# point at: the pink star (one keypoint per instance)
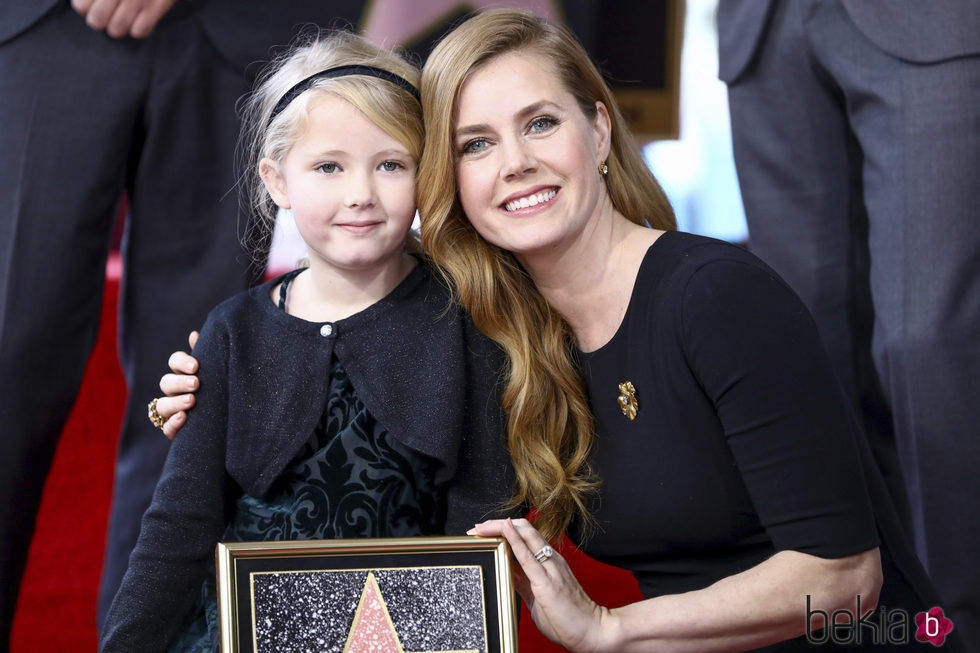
(372, 630)
(393, 23)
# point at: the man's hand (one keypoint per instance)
(119, 18)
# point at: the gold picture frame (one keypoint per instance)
(421, 595)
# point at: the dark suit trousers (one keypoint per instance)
(859, 174)
(83, 118)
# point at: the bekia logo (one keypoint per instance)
(877, 627)
(933, 626)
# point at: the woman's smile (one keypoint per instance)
(524, 202)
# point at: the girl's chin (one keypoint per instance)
(362, 262)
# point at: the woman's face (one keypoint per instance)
(527, 156)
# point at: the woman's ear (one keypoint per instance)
(603, 130)
(274, 182)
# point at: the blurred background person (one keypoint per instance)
(856, 130)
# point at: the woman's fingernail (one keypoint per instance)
(472, 531)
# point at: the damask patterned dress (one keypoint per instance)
(352, 479)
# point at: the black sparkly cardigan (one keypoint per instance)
(418, 364)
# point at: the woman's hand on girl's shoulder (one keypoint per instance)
(178, 387)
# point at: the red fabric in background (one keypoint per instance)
(56, 610)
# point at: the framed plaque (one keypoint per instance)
(408, 595)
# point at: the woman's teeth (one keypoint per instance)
(530, 200)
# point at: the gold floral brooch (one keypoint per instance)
(627, 400)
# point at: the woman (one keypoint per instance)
(721, 466)
(724, 471)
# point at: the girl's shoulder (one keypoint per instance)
(258, 295)
(250, 306)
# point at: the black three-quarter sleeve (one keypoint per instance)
(755, 351)
(184, 521)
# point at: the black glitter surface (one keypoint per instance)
(432, 608)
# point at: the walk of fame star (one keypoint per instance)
(372, 630)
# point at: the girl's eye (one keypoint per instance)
(474, 146)
(391, 166)
(328, 168)
(542, 123)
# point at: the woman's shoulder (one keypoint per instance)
(696, 250)
(686, 276)
(679, 259)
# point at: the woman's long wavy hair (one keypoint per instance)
(550, 428)
(390, 107)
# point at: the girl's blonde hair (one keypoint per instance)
(549, 420)
(389, 106)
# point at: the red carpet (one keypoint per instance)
(56, 611)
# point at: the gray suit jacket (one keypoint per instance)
(907, 29)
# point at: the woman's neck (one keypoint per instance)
(590, 283)
(326, 294)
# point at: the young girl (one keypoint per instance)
(344, 399)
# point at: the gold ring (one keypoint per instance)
(155, 417)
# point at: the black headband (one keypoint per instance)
(341, 71)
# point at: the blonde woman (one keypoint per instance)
(709, 449)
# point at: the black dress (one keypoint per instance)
(742, 443)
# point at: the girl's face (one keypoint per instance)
(350, 186)
(527, 156)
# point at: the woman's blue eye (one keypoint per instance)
(391, 166)
(543, 123)
(328, 168)
(474, 146)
